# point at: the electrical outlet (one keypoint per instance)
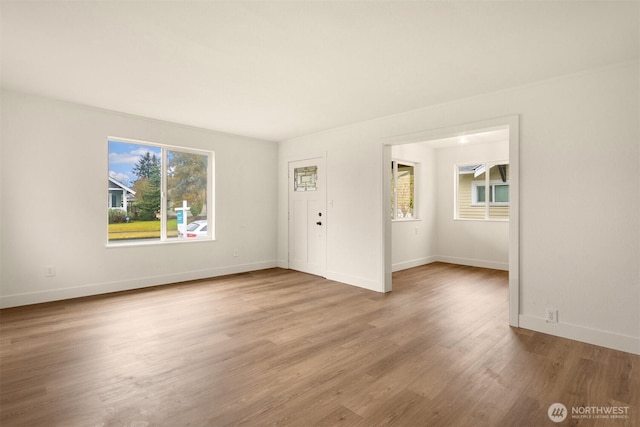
(236, 252)
(551, 315)
(49, 271)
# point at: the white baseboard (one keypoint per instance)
(413, 263)
(450, 260)
(606, 339)
(473, 262)
(125, 285)
(360, 282)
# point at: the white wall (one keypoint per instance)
(54, 170)
(414, 241)
(476, 243)
(579, 198)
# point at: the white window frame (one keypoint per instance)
(163, 193)
(394, 189)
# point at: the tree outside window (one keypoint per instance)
(136, 172)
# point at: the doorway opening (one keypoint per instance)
(465, 208)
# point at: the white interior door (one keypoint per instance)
(308, 216)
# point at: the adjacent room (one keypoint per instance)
(438, 195)
(319, 213)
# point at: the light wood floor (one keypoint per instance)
(278, 347)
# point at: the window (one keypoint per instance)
(402, 190)
(305, 178)
(157, 191)
(475, 186)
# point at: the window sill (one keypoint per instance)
(138, 243)
(406, 220)
(483, 219)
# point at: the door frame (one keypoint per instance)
(297, 158)
(513, 124)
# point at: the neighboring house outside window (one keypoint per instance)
(474, 186)
(120, 196)
(403, 192)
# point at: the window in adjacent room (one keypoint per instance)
(403, 190)
(478, 183)
(158, 193)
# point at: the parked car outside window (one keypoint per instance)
(195, 229)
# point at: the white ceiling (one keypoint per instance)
(277, 70)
